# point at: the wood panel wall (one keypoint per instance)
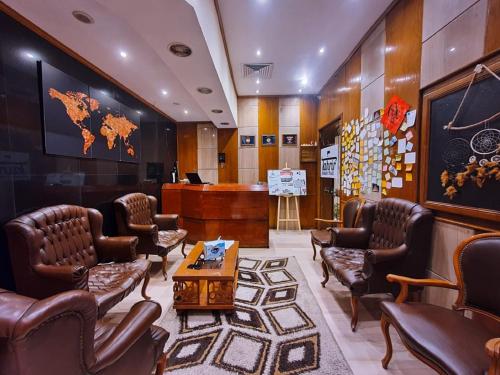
(227, 142)
(269, 155)
(492, 38)
(403, 28)
(308, 134)
(187, 147)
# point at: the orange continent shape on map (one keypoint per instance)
(77, 107)
(113, 126)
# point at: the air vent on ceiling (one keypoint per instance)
(260, 70)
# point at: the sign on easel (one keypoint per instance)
(287, 182)
(329, 162)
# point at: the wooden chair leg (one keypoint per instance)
(326, 274)
(314, 249)
(144, 286)
(161, 364)
(164, 267)
(355, 312)
(182, 249)
(384, 323)
(147, 256)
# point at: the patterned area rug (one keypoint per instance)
(277, 328)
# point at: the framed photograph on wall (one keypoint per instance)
(460, 145)
(247, 140)
(289, 139)
(269, 140)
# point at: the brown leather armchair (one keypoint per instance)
(350, 219)
(61, 248)
(158, 234)
(444, 339)
(394, 237)
(60, 335)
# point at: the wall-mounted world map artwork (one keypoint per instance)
(85, 122)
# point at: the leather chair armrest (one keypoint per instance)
(135, 324)
(356, 238)
(376, 256)
(141, 230)
(117, 249)
(406, 281)
(166, 222)
(493, 350)
(71, 277)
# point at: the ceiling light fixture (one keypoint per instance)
(123, 54)
(300, 90)
(217, 111)
(224, 123)
(204, 90)
(304, 81)
(30, 55)
(139, 112)
(258, 52)
(321, 50)
(258, 81)
(257, 91)
(164, 92)
(452, 49)
(82, 17)
(186, 111)
(180, 49)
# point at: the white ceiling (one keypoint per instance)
(143, 29)
(289, 34)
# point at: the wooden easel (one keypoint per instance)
(287, 218)
(287, 211)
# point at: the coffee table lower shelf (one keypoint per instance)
(205, 294)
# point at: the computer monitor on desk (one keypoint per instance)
(194, 178)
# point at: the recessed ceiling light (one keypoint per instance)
(164, 92)
(224, 123)
(257, 91)
(82, 17)
(139, 112)
(30, 55)
(104, 92)
(123, 54)
(258, 81)
(217, 110)
(204, 90)
(304, 81)
(321, 50)
(300, 90)
(180, 49)
(452, 49)
(186, 111)
(258, 52)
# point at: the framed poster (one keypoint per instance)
(247, 140)
(461, 148)
(269, 140)
(289, 139)
(287, 182)
(329, 162)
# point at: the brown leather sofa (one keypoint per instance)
(444, 339)
(158, 234)
(61, 248)
(393, 238)
(60, 335)
(350, 219)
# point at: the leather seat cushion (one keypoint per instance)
(347, 265)
(448, 339)
(112, 282)
(170, 239)
(321, 237)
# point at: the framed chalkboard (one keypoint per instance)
(460, 152)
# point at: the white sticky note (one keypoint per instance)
(401, 145)
(409, 146)
(409, 135)
(388, 160)
(410, 158)
(410, 118)
(397, 182)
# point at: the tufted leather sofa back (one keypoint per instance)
(350, 212)
(134, 208)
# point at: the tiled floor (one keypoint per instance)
(363, 349)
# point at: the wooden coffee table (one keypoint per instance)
(210, 288)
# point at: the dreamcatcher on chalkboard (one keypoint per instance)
(475, 160)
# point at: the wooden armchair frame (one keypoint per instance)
(492, 347)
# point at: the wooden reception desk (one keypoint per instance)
(234, 211)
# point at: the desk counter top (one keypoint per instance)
(217, 187)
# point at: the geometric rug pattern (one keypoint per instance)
(277, 328)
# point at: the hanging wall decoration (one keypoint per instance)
(461, 139)
(394, 114)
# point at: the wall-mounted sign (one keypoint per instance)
(247, 140)
(268, 140)
(330, 162)
(289, 139)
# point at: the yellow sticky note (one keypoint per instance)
(409, 167)
(384, 183)
(398, 157)
(384, 191)
(399, 166)
(409, 177)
